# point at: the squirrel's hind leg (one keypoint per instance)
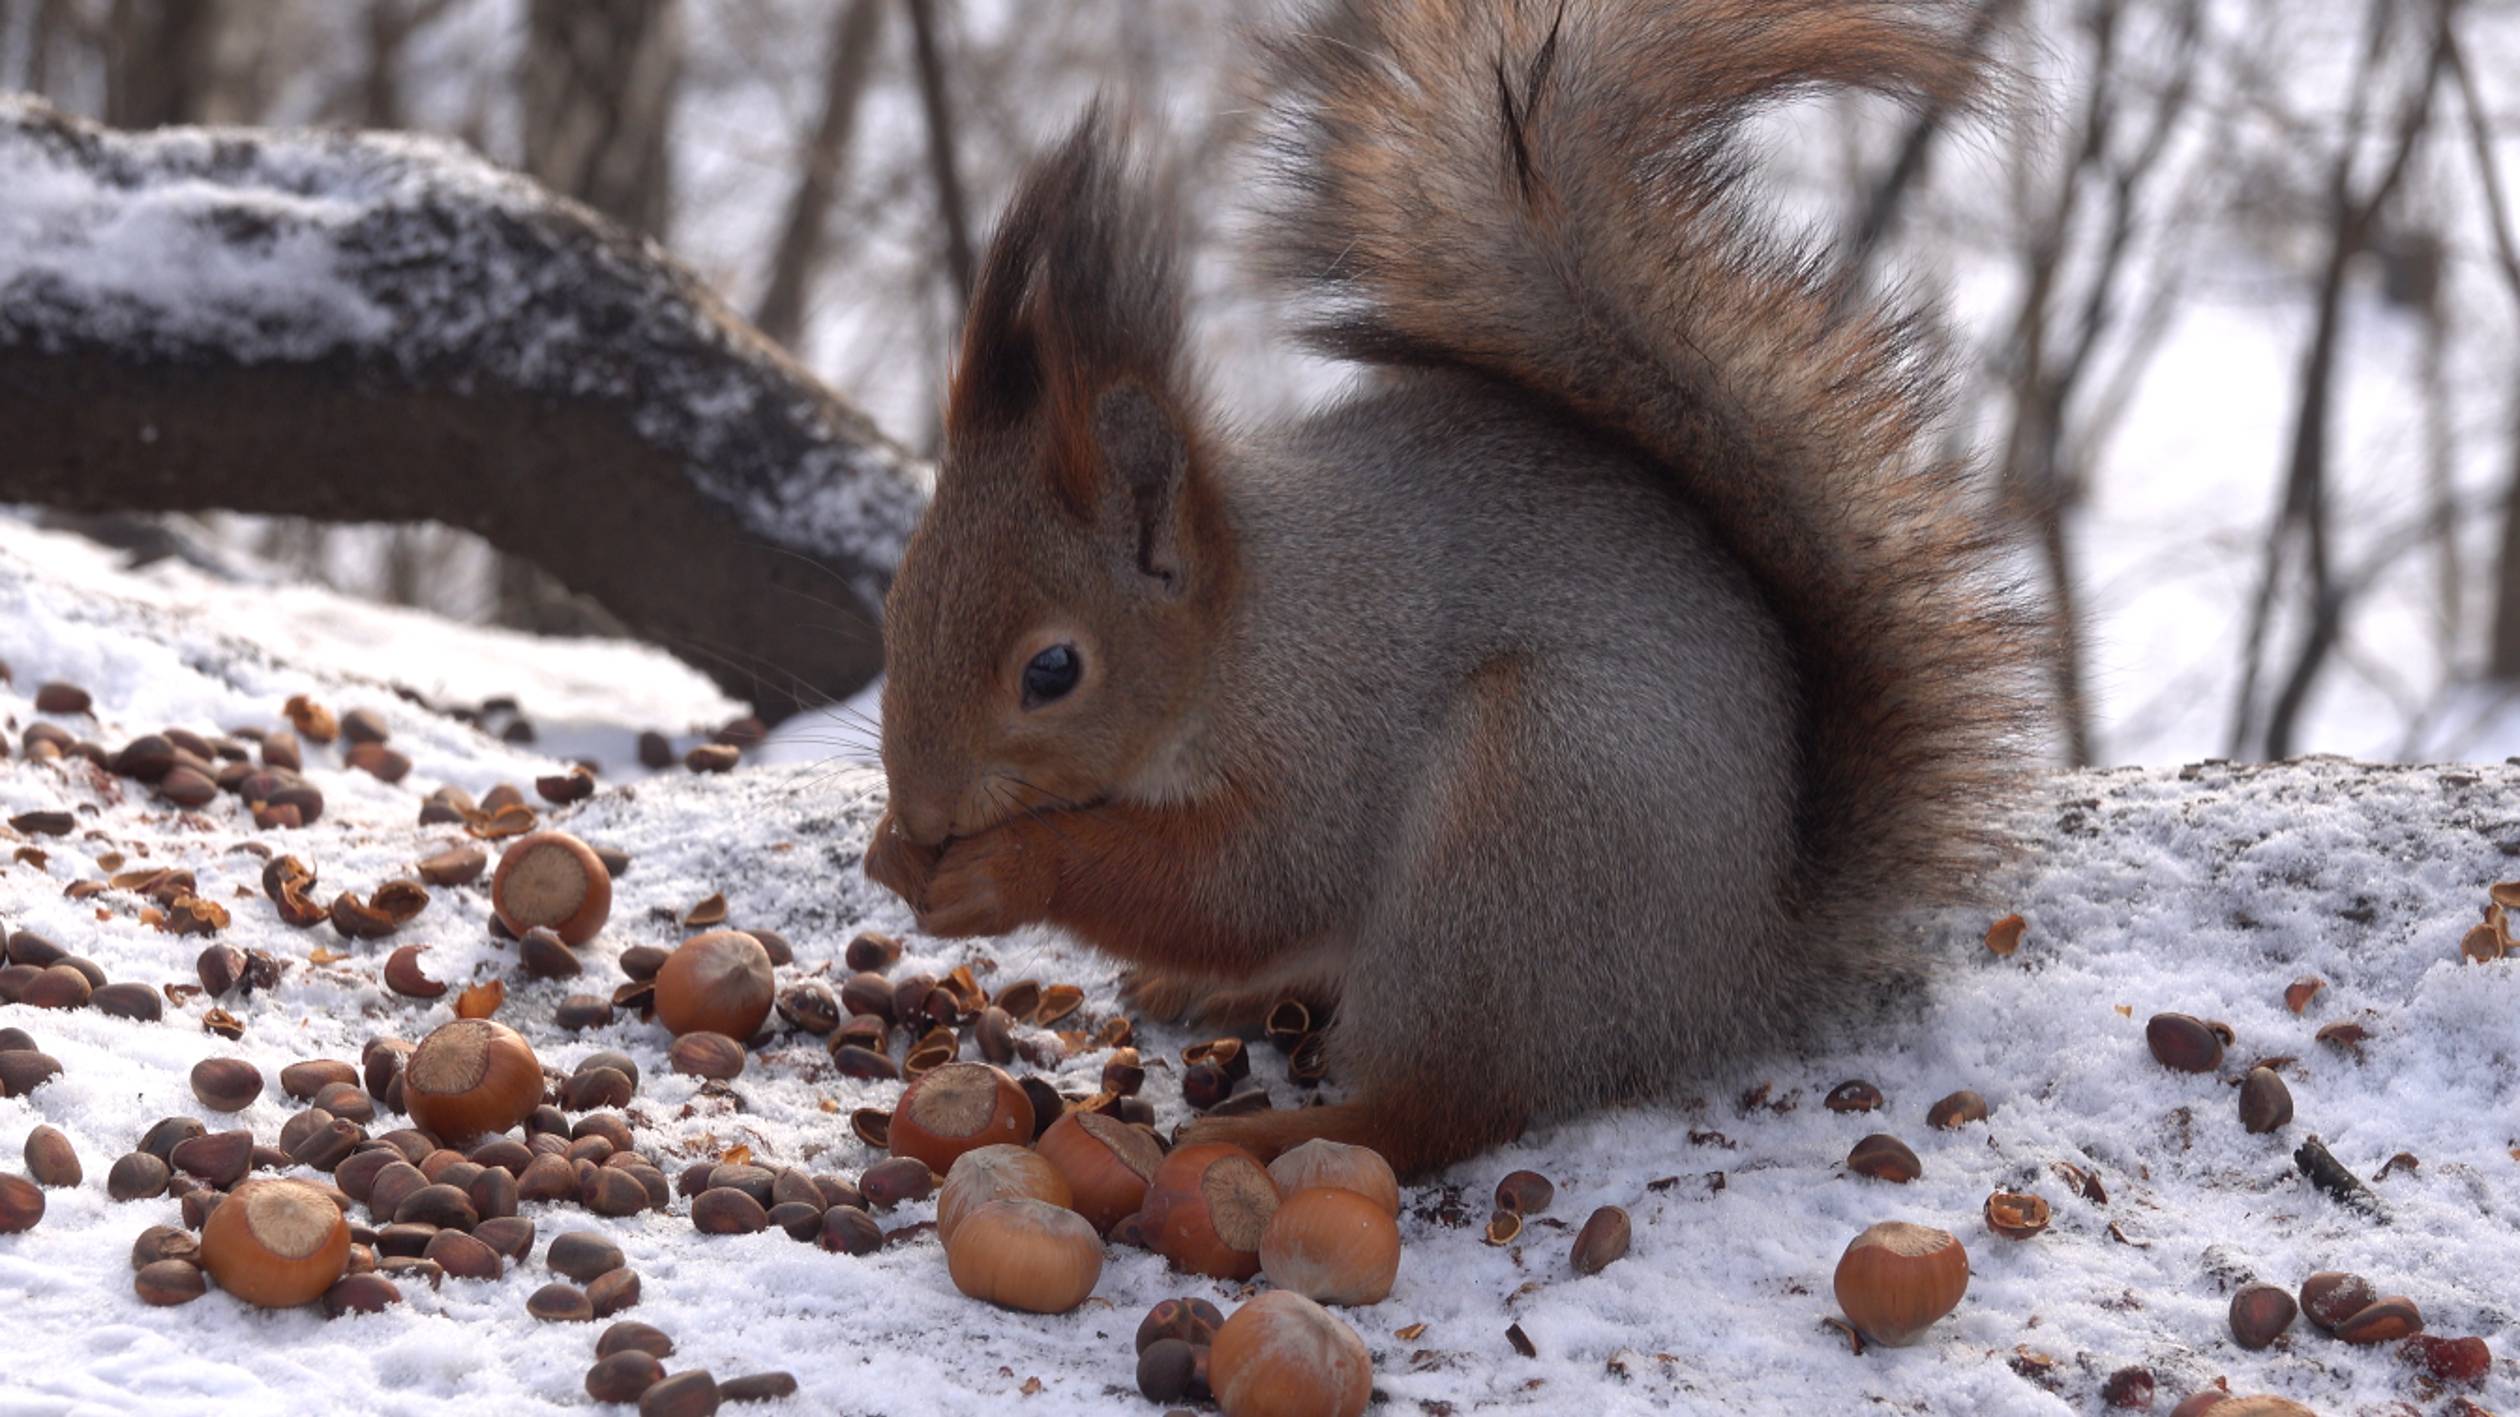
(1238, 1008)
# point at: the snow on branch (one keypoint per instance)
(366, 327)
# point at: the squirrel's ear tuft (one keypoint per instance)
(1075, 329)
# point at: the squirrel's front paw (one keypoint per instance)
(897, 863)
(991, 883)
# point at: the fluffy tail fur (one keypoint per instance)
(1551, 192)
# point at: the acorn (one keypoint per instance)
(470, 1078)
(996, 1173)
(1896, 1279)
(719, 982)
(1282, 1355)
(1106, 1163)
(550, 878)
(1207, 1207)
(1321, 1162)
(1332, 1246)
(1025, 1254)
(2259, 1314)
(276, 1243)
(959, 1107)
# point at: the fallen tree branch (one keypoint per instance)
(382, 328)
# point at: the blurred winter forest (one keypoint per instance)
(2235, 282)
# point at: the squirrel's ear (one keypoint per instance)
(1075, 333)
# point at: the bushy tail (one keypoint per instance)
(1550, 192)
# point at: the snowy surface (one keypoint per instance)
(2204, 891)
(413, 254)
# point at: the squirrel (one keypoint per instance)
(1577, 702)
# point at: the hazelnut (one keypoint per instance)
(2184, 1042)
(1332, 1246)
(717, 983)
(996, 1173)
(2265, 1103)
(1025, 1254)
(582, 1255)
(470, 1078)
(850, 1231)
(365, 1293)
(557, 1303)
(629, 1335)
(2017, 1215)
(727, 1210)
(1167, 1370)
(1603, 1239)
(2260, 1313)
(1207, 1207)
(1896, 1279)
(551, 878)
(1957, 1110)
(1362, 1170)
(1282, 1355)
(1106, 1163)
(276, 1243)
(959, 1107)
(1853, 1095)
(623, 1376)
(1884, 1158)
(50, 1158)
(303, 1080)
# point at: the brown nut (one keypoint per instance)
(959, 1107)
(623, 1376)
(2184, 1042)
(1361, 1169)
(1284, 1354)
(2265, 1103)
(1884, 1158)
(1025, 1254)
(629, 1334)
(727, 1210)
(404, 975)
(552, 879)
(560, 1303)
(167, 1282)
(472, 1078)
(1207, 1207)
(706, 1055)
(719, 982)
(50, 1159)
(2260, 1313)
(2383, 1321)
(1193, 1321)
(1332, 1246)
(1603, 1240)
(226, 1084)
(21, 1204)
(2017, 1215)
(996, 1173)
(896, 1180)
(2330, 1297)
(1957, 1110)
(1853, 1095)
(1895, 1280)
(1106, 1163)
(276, 1243)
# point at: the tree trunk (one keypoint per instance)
(400, 332)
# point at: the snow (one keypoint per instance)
(416, 255)
(2203, 890)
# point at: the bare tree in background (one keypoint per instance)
(2301, 524)
(943, 162)
(849, 58)
(158, 61)
(598, 87)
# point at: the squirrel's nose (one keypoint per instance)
(917, 817)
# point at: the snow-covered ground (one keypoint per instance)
(2204, 891)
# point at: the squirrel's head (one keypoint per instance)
(1049, 630)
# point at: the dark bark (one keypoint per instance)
(517, 368)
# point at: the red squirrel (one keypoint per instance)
(1577, 702)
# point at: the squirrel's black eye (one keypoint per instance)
(1051, 674)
